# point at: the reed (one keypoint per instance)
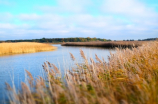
(23, 47)
(129, 77)
(112, 44)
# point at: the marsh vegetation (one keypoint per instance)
(129, 76)
(24, 47)
(111, 44)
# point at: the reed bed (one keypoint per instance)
(112, 44)
(129, 77)
(23, 47)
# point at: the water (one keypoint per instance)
(12, 67)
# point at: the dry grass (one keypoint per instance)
(130, 77)
(111, 44)
(23, 47)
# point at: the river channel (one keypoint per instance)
(12, 67)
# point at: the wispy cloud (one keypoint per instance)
(5, 17)
(133, 8)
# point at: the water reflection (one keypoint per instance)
(12, 67)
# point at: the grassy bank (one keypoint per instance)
(24, 47)
(111, 44)
(130, 77)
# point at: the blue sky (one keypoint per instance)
(109, 19)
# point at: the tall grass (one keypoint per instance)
(129, 77)
(112, 44)
(23, 47)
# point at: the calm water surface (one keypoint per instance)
(12, 67)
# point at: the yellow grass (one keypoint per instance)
(24, 47)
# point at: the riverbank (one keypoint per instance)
(129, 77)
(24, 47)
(111, 44)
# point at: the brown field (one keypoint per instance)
(129, 77)
(24, 47)
(112, 44)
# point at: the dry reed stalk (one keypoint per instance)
(8, 87)
(98, 59)
(29, 74)
(82, 54)
(72, 56)
(56, 69)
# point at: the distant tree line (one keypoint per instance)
(129, 40)
(148, 39)
(59, 40)
(77, 39)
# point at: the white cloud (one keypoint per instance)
(132, 8)
(7, 26)
(51, 25)
(39, 18)
(2, 32)
(88, 32)
(29, 16)
(6, 17)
